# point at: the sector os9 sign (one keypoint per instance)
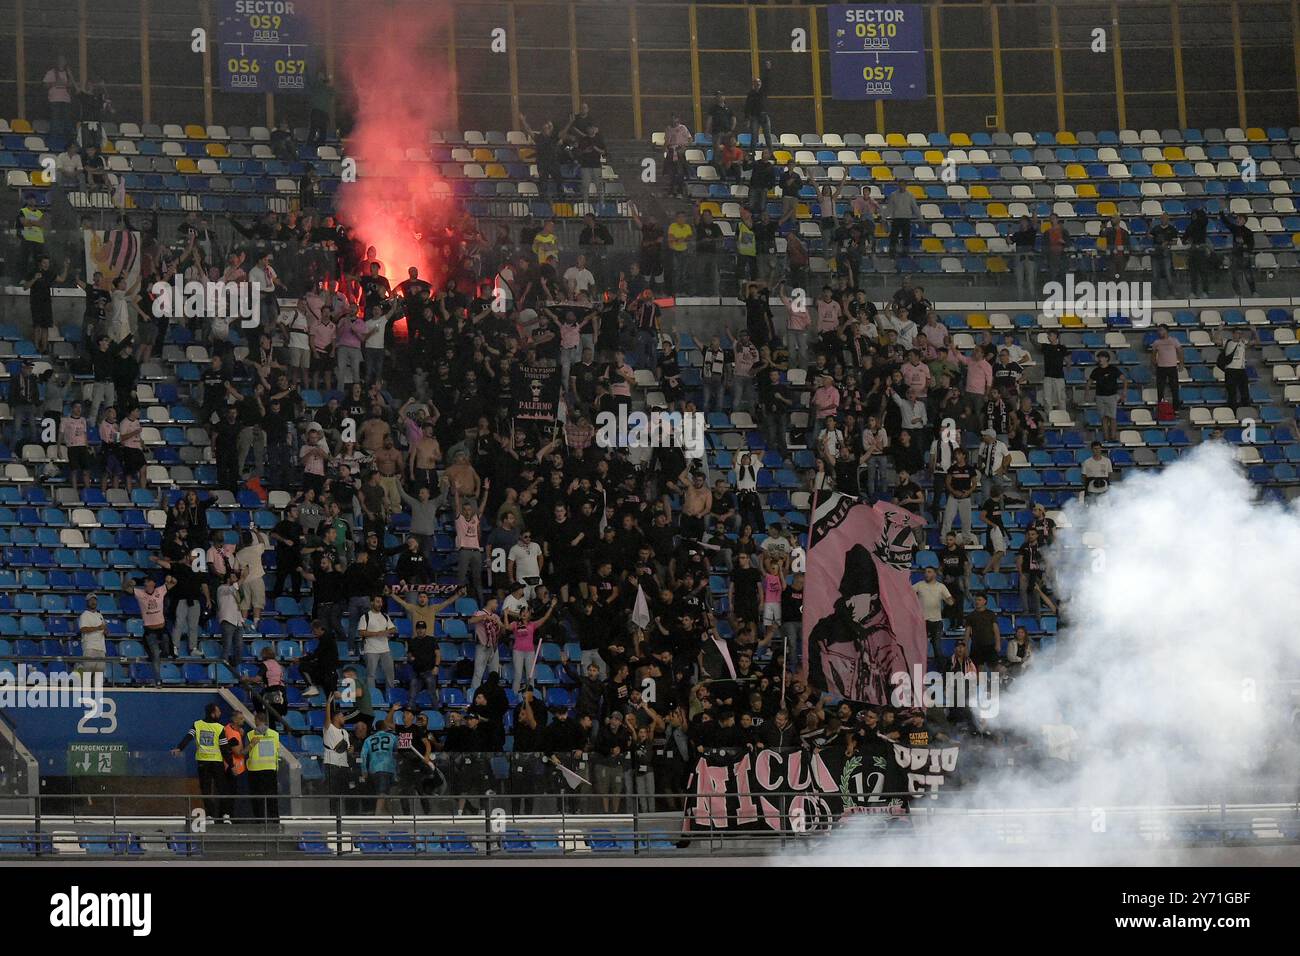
(263, 46)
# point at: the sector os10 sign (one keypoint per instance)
(877, 52)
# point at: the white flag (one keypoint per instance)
(641, 609)
(571, 778)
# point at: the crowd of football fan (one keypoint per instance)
(552, 536)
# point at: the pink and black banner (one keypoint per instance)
(863, 632)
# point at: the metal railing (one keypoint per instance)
(567, 824)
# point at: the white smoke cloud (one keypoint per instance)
(1183, 596)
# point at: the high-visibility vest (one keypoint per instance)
(32, 233)
(207, 739)
(746, 244)
(263, 750)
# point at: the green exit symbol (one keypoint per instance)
(97, 760)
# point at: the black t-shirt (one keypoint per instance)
(720, 118)
(903, 491)
(1031, 559)
(1054, 360)
(952, 564)
(791, 604)
(745, 581)
(962, 478)
(1106, 380)
(292, 531)
(189, 586)
(981, 625)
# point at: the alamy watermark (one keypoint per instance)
(75, 909)
(192, 299)
(32, 689)
(655, 429)
(1098, 300)
(976, 690)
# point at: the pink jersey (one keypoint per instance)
(525, 636)
(151, 605)
(74, 432)
(772, 588)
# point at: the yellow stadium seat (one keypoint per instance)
(918, 192)
(527, 154)
(109, 148)
(1071, 322)
(1256, 135)
(1101, 242)
(998, 210)
(934, 157)
(1162, 170)
(1295, 239)
(882, 231)
(980, 191)
(802, 211)
(1174, 154)
(195, 131)
(186, 165)
(1106, 208)
(38, 178)
(1065, 138)
(882, 174)
(930, 244)
(495, 171)
(130, 202)
(482, 155)
(896, 140)
(870, 157)
(1075, 171)
(20, 126)
(1086, 191)
(562, 209)
(977, 320)
(976, 244)
(961, 140)
(216, 150)
(711, 207)
(782, 157)
(996, 265)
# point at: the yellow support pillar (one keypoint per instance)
(1180, 91)
(205, 14)
(575, 97)
(83, 58)
(815, 53)
(513, 59)
(634, 51)
(937, 47)
(145, 82)
(1119, 68)
(1238, 66)
(695, 68)
(1057, 70)
(20, 59)
(999, 96)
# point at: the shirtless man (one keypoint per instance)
(423, 460)
(388, 462)
(374, 430)
(697, 503)
(462, 479)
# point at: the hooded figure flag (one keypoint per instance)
(863, 631)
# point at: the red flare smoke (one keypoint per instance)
(400, 203)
